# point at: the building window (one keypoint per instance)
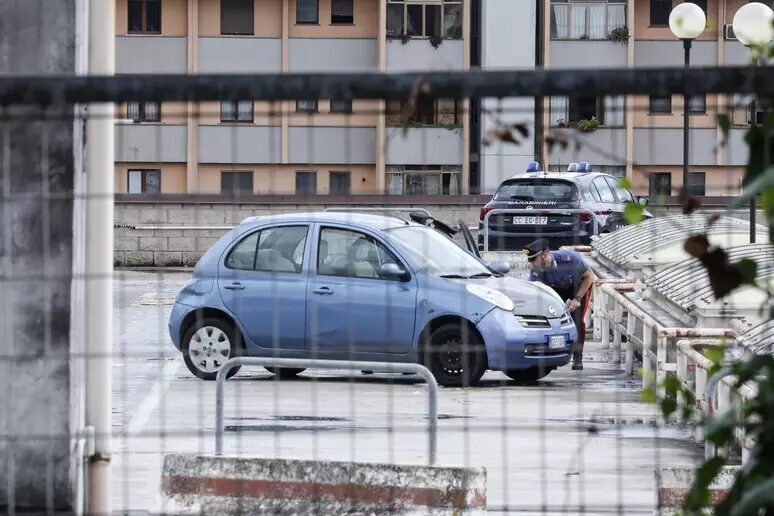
(424, 19)
(423, 180)
(306, 183)
(741, 106)
(697, 104)
(660, 184)
(443, 112)
(306, 106)
(144, 181)
(307, 11)
(236, 183)
(660, 104)
(241, 111)
(339, 183)
(341, 106)
(586, 19)
(569, 111)
(703, 4)
(659, 12)
(237, 16)
(143, 111)
(144, 16)
(696, 184)
(343, 11)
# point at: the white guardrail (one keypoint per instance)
(615, 314)
(667, 350)
(692, 371)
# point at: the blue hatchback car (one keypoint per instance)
(364, 287)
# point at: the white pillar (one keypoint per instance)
(99, 256)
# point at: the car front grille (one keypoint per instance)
(533, 321)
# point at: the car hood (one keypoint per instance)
(529, 298)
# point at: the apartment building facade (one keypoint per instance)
(311, 146)
(639, 136)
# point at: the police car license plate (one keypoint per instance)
(530, 220)
(556, 342)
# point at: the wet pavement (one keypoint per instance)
(576, 442)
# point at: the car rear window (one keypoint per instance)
(537, 190)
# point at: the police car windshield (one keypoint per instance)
(536, 190)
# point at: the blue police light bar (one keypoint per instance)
(533, 166)
(584, 166)
(572, 167)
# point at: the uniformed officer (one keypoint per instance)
(567, 273)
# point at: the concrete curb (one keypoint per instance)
(674, 483)
(210, 484)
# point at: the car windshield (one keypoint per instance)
(436, 254)
(536, 190)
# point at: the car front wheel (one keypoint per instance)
(207, 345)
(455, 355)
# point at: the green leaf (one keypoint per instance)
(724, 122)
(720, 430)
(761, 183)
(672, 385)
(668, 406)
(625, 183)
(748, 269)
(648, 395)
(698, 497)
(714, 353)
(633, 213)
(755, 498)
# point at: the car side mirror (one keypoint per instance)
(499, 266)
(393, 271)
(643, 200)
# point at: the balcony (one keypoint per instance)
(603, 146)
(588, 54)
(424, 146)
(158, 143)
(420, 55)
(151, 54)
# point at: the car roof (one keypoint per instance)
(374, 221)
(574, 177)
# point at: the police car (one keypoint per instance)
(559, 206)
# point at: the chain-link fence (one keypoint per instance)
(338, 244)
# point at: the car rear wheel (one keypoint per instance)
(207, 345)
(455, 355)
(284, 373)
(530, 375)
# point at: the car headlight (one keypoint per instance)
(491, 295)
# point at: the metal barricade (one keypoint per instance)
(382, 367)
(538, 211)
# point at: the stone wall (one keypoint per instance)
(176, 232)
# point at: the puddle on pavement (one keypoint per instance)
(292, 418)
(279, 428)
(629, 428)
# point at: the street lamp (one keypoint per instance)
(687, 21)
(753, 27)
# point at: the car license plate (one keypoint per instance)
(530, 220)
(556, 342)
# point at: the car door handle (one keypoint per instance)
(323, 291)
(235, 286)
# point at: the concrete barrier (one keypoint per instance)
(240, 485)
(674, 484)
